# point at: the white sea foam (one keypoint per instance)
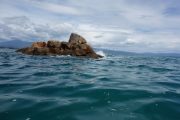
(101, 53)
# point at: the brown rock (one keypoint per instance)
(87, 48)
(76, 46)
(65, 46)
(79, 52)
(28, 50)
(41, 51)
(55, 51)
(76, 39)
(53, 44)
(38, 44)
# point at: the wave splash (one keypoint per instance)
(101, 53)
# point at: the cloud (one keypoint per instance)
(56, 8)
(130, 40)
(22, 28)
(109, 37)
(130, 25)
(172, 11)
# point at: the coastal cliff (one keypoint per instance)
(76, 46)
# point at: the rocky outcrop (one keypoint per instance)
(77, 46)
(39, 44)
(76, 39)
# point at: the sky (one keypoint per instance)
(126, 25)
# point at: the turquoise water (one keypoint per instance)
(117, 87)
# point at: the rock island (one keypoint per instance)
(76, 46)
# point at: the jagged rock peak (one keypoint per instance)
(76, 39)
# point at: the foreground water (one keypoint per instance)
(65, 88)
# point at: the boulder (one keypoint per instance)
(65, 46)
(41, 51)
(77, 46)
(53, 44)
(76, 39)
(38, 44)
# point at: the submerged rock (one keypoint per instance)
(77, 46)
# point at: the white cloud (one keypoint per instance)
(56, 8)
(23, 29)
(131, 25)
(129, 40)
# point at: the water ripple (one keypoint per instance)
(118, 87)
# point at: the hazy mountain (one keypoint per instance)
(162, 54)
(14, 44)
(113, 52)
(116, 53)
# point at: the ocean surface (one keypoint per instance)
(117, 87)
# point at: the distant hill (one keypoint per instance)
(162, 54)
(116, 53)
(14, 44)
(113, 52)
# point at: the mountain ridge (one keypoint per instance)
(14, 44)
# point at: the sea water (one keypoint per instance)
(116, 87)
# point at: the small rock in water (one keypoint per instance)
(14, 100)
